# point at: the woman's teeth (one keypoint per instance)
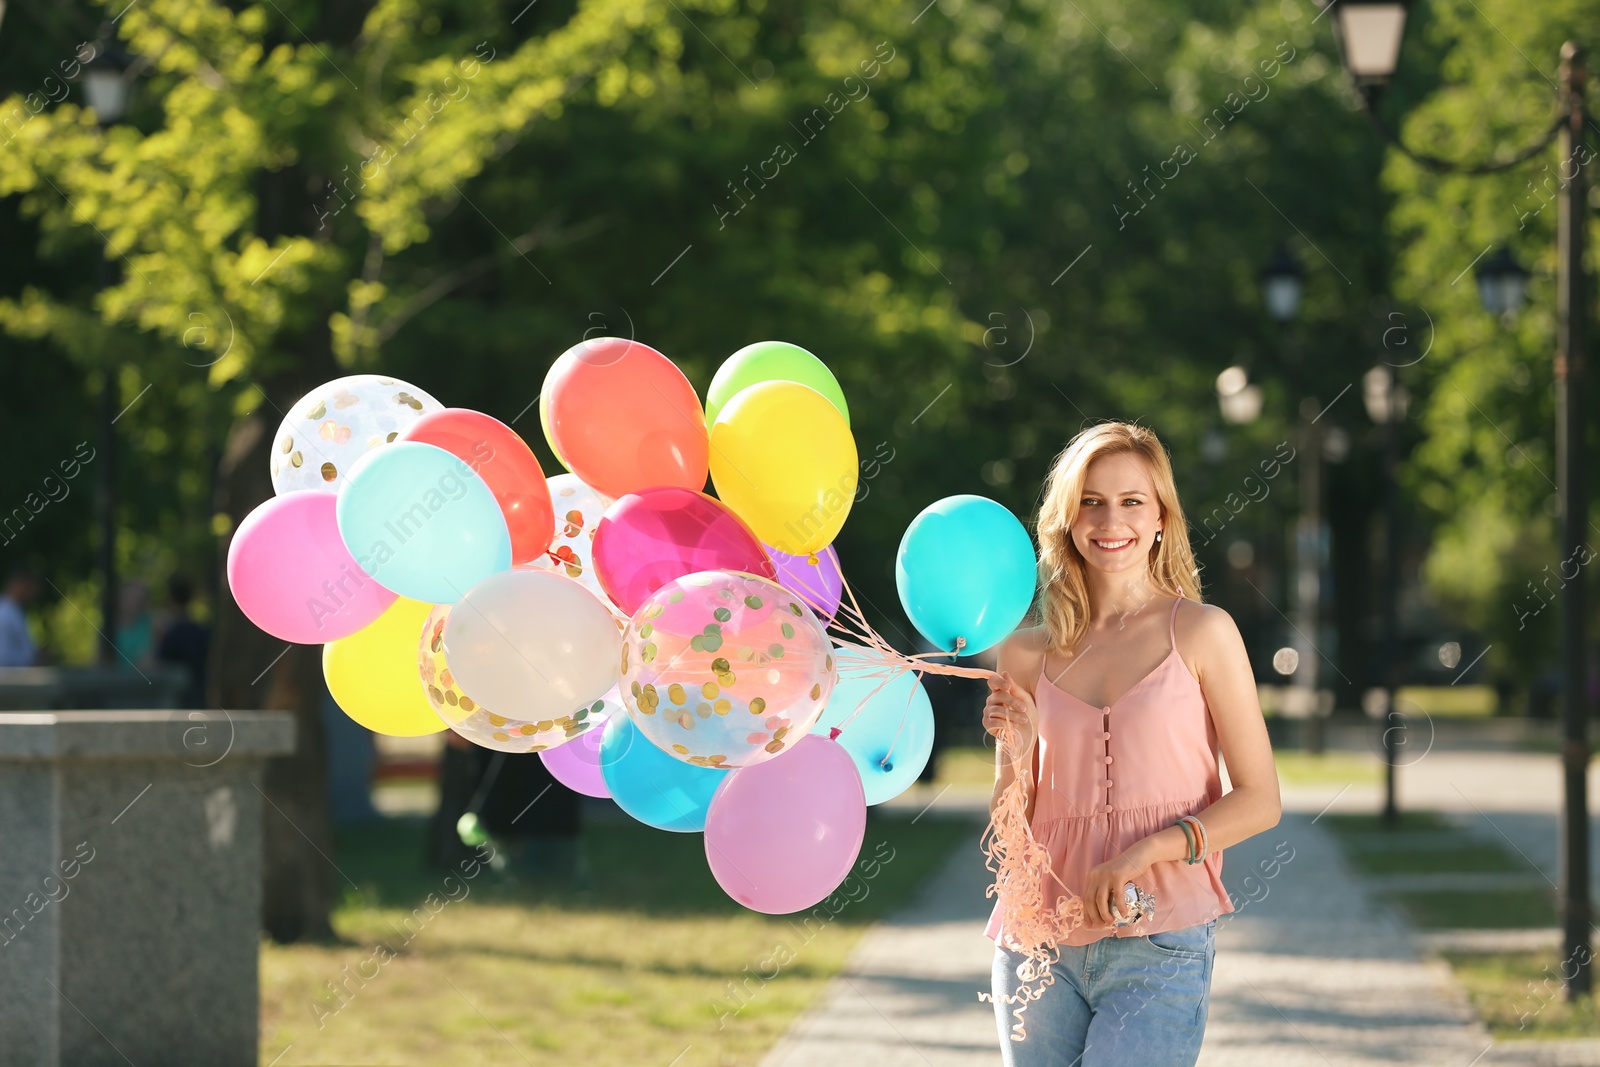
(1112, 546)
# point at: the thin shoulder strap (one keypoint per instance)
(1172, 627)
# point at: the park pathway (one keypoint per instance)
(1311, 972)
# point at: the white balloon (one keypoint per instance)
(336, 424)
(578, 509)
(533, 641)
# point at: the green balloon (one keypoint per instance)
(772, 361)
(544, 423)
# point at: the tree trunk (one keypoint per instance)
(252, 670)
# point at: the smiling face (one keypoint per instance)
(1118, 514)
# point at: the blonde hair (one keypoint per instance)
(1063, 592)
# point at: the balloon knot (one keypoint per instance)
(833, 733)
(812, 559)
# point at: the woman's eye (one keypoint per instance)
(1131, 500)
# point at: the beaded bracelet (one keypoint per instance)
(1188, 834)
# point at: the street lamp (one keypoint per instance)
(1502, 283)
(1369, 33)
(105, 85)
(1281, 284)
(1371, 61)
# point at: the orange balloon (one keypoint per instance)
(624, 418)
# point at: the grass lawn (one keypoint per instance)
(965, 766)
(1296, 767)
(1517, 994)
(1480, 909)
(973, 766)
(1521, 995)
(1425, 842)
(638, 969)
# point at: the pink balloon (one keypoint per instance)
(782, 835)
(649, 538)
(576, 764)
(291, 574)
(819, 585)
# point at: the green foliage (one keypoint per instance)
(1484, 467)
(996, 221)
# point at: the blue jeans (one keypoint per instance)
(1116, 1002)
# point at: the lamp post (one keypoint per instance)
(1370, 34)
(1282, 285)
(1386, 402)
(105, 86)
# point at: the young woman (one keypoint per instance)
(1116, 706)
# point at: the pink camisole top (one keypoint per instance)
(1111, 775)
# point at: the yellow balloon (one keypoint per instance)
(373, 673)
(783, 459)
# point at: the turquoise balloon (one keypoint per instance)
(891, 738)
(657, 789)
(420, 521)
(965, 568)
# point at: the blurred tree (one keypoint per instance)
(1484, 468)
(997, 222)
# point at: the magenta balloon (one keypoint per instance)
(576, 764)
(649, 538)
(291, 574)
(782, 835)
(819, 585)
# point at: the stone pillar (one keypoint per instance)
(130, 885)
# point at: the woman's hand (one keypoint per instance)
(1102, 888)
(1011, 709)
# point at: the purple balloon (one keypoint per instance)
(576, 764)
(819, 585)
(649, 538)
(782, 835)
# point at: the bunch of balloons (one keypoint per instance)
(654, 643)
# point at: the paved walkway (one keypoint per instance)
(1312, 972)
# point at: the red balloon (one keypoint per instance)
(623, 418)
(505, 463)
(649, 538)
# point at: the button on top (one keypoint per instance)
(1108, 710)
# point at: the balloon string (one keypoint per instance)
(1023, 871)
(1024, 877)
(904, 715)
(859, 628)
(861, 705)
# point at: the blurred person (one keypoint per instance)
(16, 644)
(184, 642)
(1111, 713)
(134, 624)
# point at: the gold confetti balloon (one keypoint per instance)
(725, 669)
(578, 510)
(336, 424)
(490, 729)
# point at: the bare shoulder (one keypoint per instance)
(1206, 632)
